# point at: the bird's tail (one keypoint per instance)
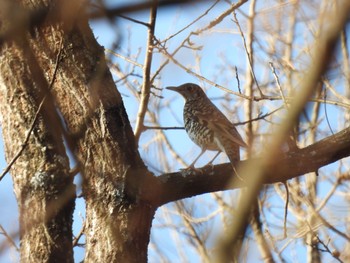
(232, 152)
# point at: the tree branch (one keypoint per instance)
(174, 186)
(146, 86)
(130, 8)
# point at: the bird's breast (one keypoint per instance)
(197, 129)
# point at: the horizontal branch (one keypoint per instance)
(134, 7)
(175, 186)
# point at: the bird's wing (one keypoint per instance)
(218, 122)
(229, 132)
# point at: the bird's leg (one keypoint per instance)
(212, 160)
(191, 166)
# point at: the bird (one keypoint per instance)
(207, 126)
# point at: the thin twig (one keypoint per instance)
(314, 244)
(326, 249)
(271, 98)
(326, 113)
(124, 58)
(24, 144)
(335, 92)
(238, 82)
(285, 210)
(236, 123)
(162, 128)
(132, 6)
(219, 19)
(163, 49)
(288, 99)
(8, 237)
(190, 24)
(328, 196)
(320, 217)
(278, 83)
(134, 20)
(258, 118)
(248, 54)
(171, 57)
(345, 53)
(249, 83)
(146, 86)
(80, 234)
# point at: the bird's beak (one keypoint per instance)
(177, 89)
(173, 88)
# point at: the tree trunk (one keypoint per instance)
(42, 184)
(96, 130)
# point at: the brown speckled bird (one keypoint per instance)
(207, 126)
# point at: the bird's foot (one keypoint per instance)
(191, 170)
(209, 165)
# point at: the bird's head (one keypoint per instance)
(189, 91)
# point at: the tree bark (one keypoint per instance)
(42, 184)
(97, 131)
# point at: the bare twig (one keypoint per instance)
(278, 83)
(187, 39)
(132, 6)
(322, 220)
(345, 53)
(248, 54)
(24, 144)
(285, 210)
(193, 232)
(221, 17)
(249, 81)
(8, 237)
(124, 58)
(193, 22)
(163, 128)
(133, 20)
(326, 112)
(257, 227)
(146, 86)
(171, 57)
(334, 253)
(289, 99)
(261, 117)
(328, 196)
(80, 234)
(271, 98)
(238, 82)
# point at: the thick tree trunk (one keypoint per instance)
(42, 184)
(97, 131)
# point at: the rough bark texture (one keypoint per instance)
(117, 222)
(98, 132)
(42, 184)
